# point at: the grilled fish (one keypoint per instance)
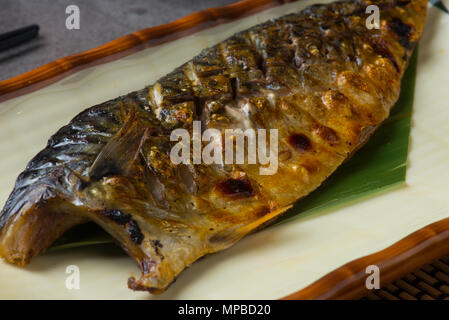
(320, 77)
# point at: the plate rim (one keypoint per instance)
(345, 282)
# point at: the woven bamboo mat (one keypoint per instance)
(430, 282)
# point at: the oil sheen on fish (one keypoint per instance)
(320, 77)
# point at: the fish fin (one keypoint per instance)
(118, 155)
(229, 238)
(247, 228)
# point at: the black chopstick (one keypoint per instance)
(16, 37)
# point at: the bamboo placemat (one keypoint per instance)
(430, 282)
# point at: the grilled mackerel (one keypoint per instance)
(320, 77)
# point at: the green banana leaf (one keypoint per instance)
(379, 166)
(439, 5)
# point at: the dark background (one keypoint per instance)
(100, 21)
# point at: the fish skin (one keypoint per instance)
(319, 76)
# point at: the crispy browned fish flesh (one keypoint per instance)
(320, 77)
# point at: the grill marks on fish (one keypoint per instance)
(319, 77)
(299, 142)
(403, 31)
(125, 220)
(236, 188)
(380, 47)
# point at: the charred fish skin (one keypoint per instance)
(319, 76)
